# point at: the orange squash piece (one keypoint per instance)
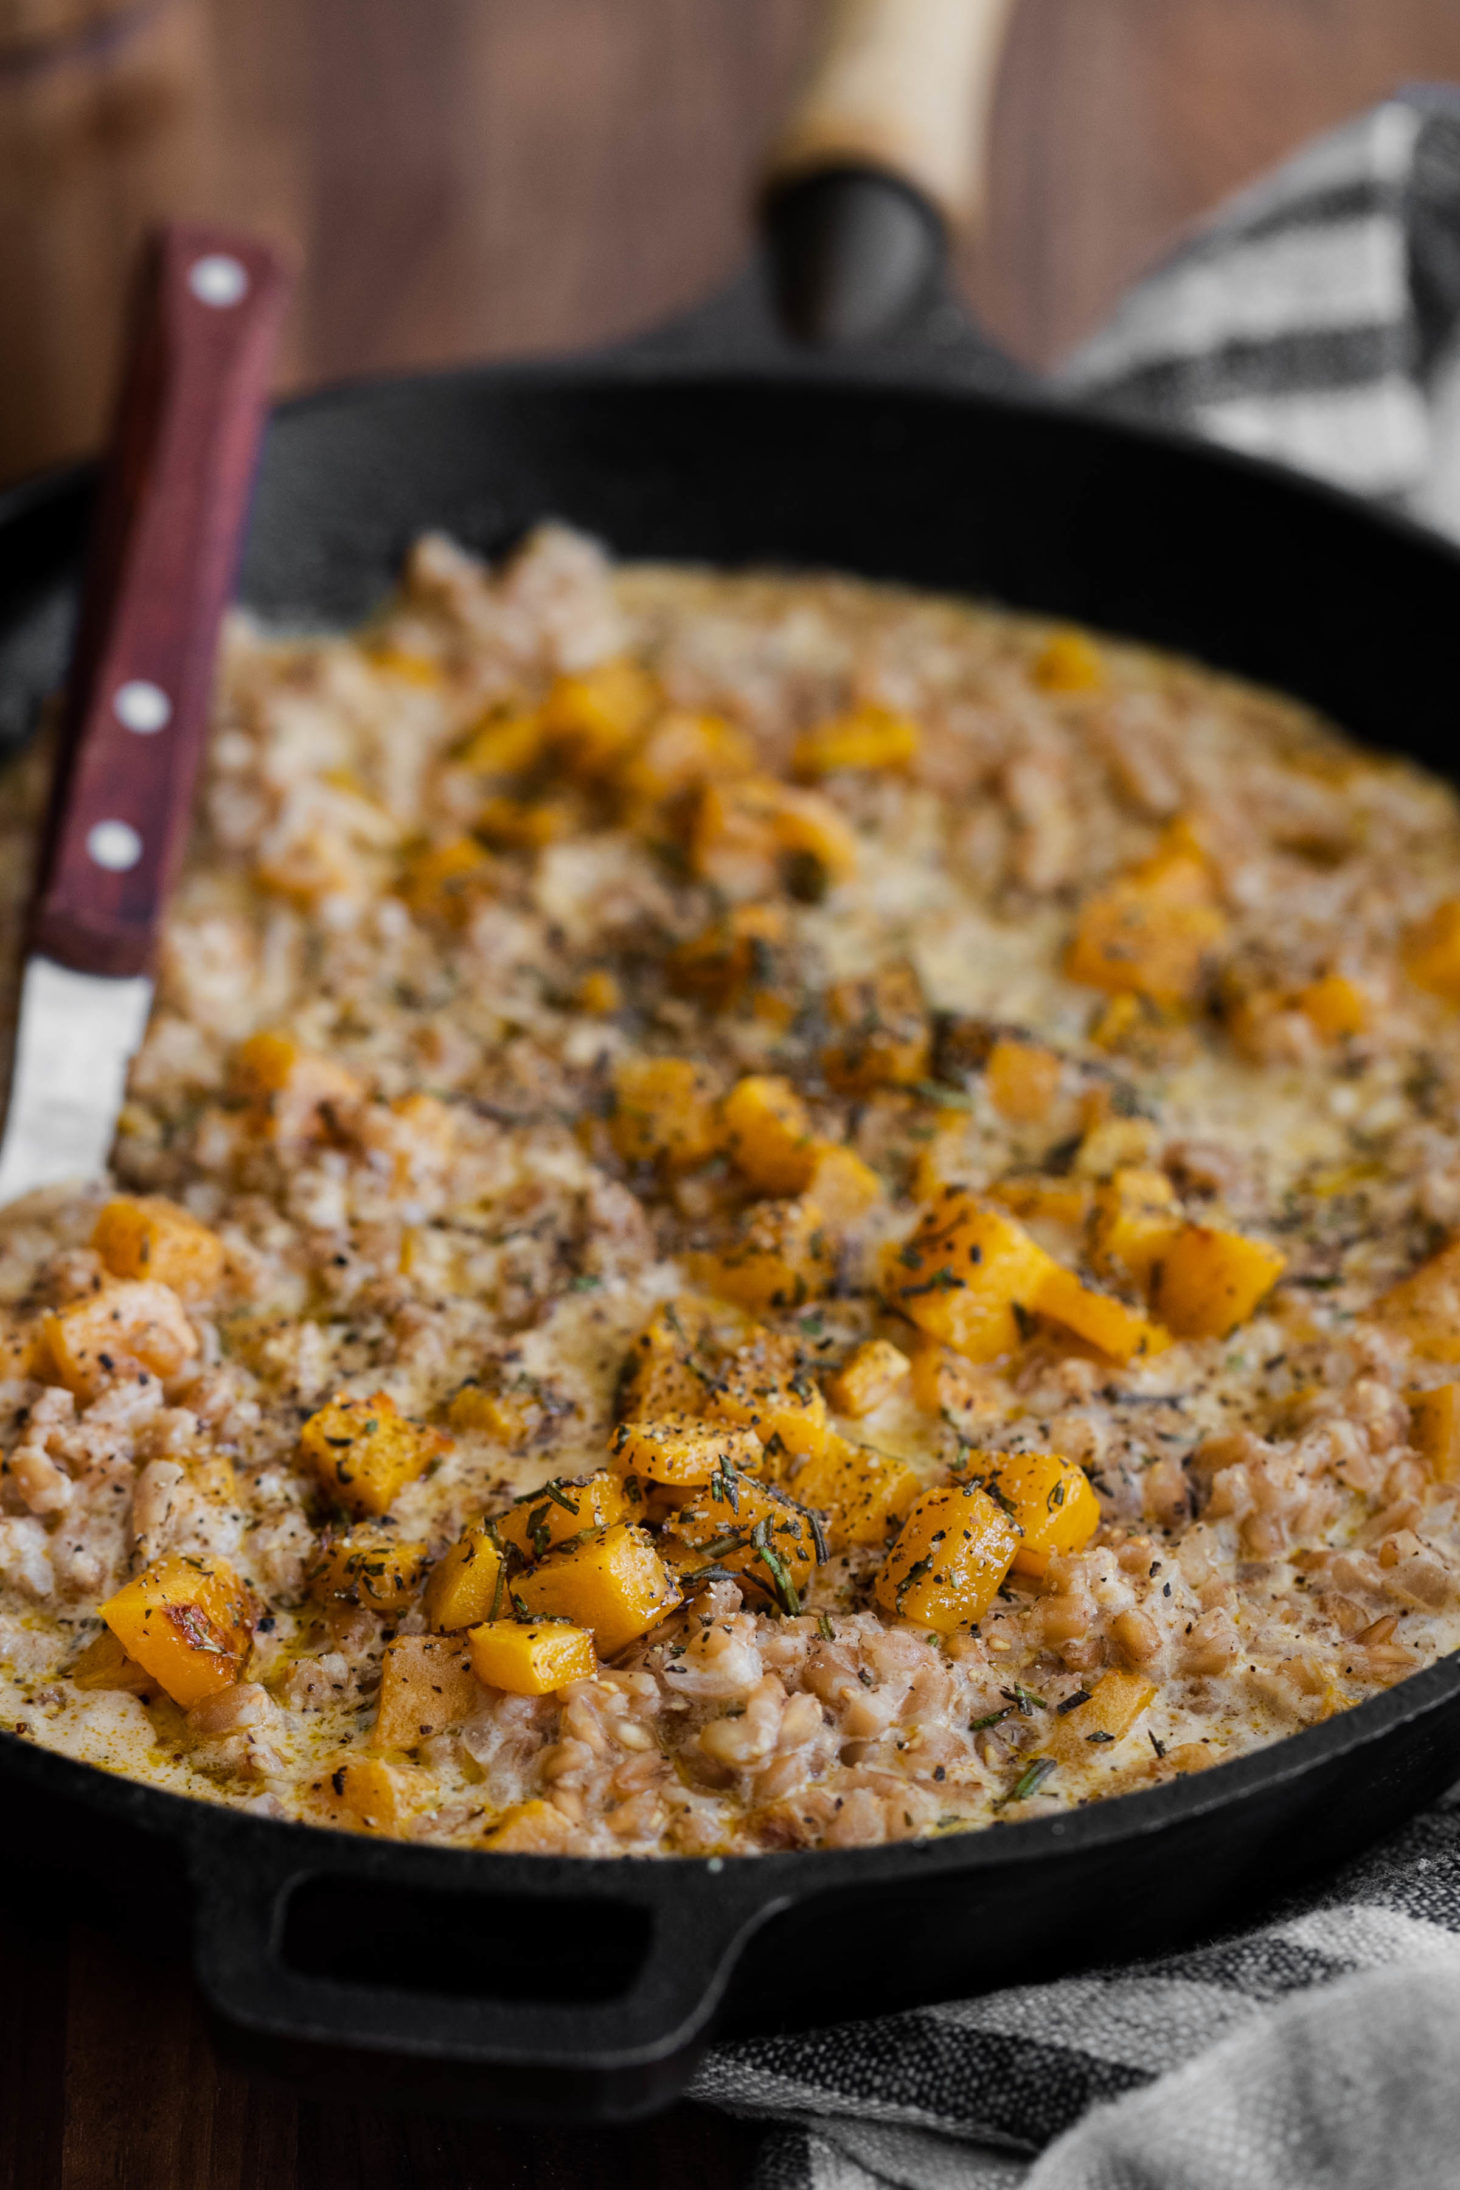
(767, 1134)
(883, 1034)
(1434, 1417)
(1022, 1079)
(542, 1519)
(970, 1275)
(753, 1531)
(1108, 1715)
(1209, 1281)
(147, 1236)
(121, 1332)
(949, 1560)
(468, 1581)
(613, 1582)
(366, 1451)
(867, 738)
(371, 1568)
(870, 1374)
(1155, 932)
(531, 1658)
(1099, 1318)
(861, 1493)
(188, 1622)
(1047, 1497)
(682, 1451)
(664, 1112)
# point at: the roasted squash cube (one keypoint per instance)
(1101, 1320)
(370, 1568)
(754, 1531)
(1061, 1201)
(525, 824)
(1108, 1715)
(884, 1036)
(105, 1664)
(1207, 1282)
(861, 1493)
(680, 751)
(468, 1581)
(870, 1374)
(736, 953)
(684, 1450)
(1425, 1306)
(970, 1275)
(593, 718)
(186, 1621)
(1070, 661)
(504, 742)
(1335, 1006)
(118, 1334)
(1434, 1417)
(1022, 1079)
(842, 1186)
(541, 1520)
(768, 1134)
(427, 1686)
(664, 1112)
(613, 1582)
(531, 1828)
(780, 1255)
(512, 1415)
(599, 993)
(1156, 931)
(1431, 951)
(1135, 1219)
(949, 1560)
(941, 1382)
(446, 882)
(1047, 1497)
(531, 1658)
(758, 1384)
(749, 836)
(295, 1095)
(366, 1451)
(366, 1791)
(147, 1236)
(868, 737)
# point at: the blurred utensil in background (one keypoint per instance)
(165, 547)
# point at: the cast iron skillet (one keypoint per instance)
(531, 1983)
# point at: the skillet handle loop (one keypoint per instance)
(905, 88)
(165, 546)
(514, 1972)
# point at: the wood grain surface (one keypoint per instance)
(472, 178)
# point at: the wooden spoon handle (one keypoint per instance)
(903, 86)
(164, 551)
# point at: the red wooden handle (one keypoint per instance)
(164, 552)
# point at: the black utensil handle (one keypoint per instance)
(507, 1963)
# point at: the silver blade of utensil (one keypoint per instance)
(76, 1036)
(165, 545)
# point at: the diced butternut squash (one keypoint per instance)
(1112, 1142)
(105, 1664)
(147, 1236)
(368, 1792)
(1434, 1417)
(1336, 1006)
(753, 1531)
(119, 1333)
(1099, 1318)
(1047, 1497)
(468, 1582)
(504, 742)
(531, 1828)
(1059, 1201)
(883, 1037)
(371, 1568)
(1022, 1079)
(1070, 661)
(1108, 1715)
(664, 1112)
(531, 1658)
(295, 1095)
(669, 1365)
(680, 751)
(941, 1382)
(780, 1255)
(949, 1560)
(1431, 951)
(366, 1451)
(759, 1384)
(842, 1186)
(734, 955)
(512, 1415)
(594, 717)
(427, 1686)
(1425, 1306)
(753, 836)
(446, 882)
(525, 824)
(599, 993)
(768, 1134)
(861, 1493)
(1156, 931)
(970, 1276)
(867, 738)
(684, 1451)
(188, 1621)
(1207, 1281)
(543, 1519)
(1136, 1217)
(871, 1373)
(613, 1582)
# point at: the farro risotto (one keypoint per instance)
(758, 1212)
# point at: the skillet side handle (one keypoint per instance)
(517, 1977)
(165, 546)
(904, 88)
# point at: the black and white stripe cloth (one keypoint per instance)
(1316, 319)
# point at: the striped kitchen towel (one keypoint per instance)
(1316, 320)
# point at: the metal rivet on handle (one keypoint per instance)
(114, 845)
(141, 706)
(219, 280)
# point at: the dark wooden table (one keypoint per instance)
(480, 178)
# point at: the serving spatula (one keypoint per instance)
(164, 552)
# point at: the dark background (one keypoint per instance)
(470, 178)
